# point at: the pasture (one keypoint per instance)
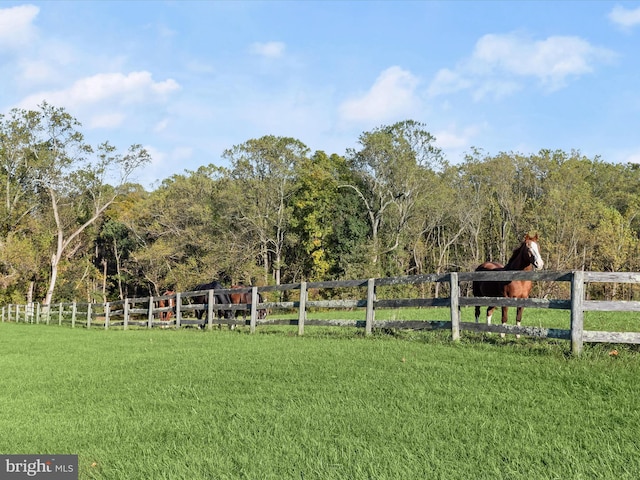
(333, 404)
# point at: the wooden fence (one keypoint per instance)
(148, 312)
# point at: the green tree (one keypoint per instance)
(182, 231)
(74, 178)
(312, 212)
(264, 170)
(390, 166)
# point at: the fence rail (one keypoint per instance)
(180, 309)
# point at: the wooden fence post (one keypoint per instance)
(37, 313)
(107, 315)
(150, 313)
(302, 308)
(125, 313)
(454, 306)
(255, 298)
(74, 307)
(89, 311)
(371, 297)
(211, 301)
(577, 311)
(60, 310)
(253, 319)
(178, 309)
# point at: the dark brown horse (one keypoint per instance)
(245, 297)
(525, 257)
(220, 298)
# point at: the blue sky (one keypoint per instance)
(190, 79)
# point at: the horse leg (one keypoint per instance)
(477, 314)
(505, 317)
(490, 314)
(519, 319)
(490, 311)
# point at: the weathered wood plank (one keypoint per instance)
(413, 279)
(515, 330)
(387, 303)
(413, 324)
(413, 302)
(336, 303)
(338, 284)
(314, 322)
(515, 302)
(508, 275)
(279, 288)
(611, 306)
(611, 337)
(612, 277)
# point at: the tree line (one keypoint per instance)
(75, 227)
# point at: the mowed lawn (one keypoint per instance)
(166, 404)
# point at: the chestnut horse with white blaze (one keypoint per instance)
(526, 257)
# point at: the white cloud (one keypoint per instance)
(161, 126)
(16, 29)
(36, 71)
(495, 87)
(107, 120)
(392, 94)
(447, 81)
(499, 64)
(551, 60)
(626, 18)
(454, 139)
(268, 49)
(135, 87)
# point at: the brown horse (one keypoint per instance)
(525, 257)
(245, 297)
(165, 316)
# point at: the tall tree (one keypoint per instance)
(264, 169)
(313, 207)
(74, 177)
(182, 231)
(390, 165)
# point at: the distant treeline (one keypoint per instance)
(74, 227)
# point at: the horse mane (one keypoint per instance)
(518, 250)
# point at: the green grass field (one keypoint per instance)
(165, 404)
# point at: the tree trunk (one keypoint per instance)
(55, 259)
(104, 280)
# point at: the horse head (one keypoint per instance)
(533, 250)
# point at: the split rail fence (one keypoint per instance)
(175, 311)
